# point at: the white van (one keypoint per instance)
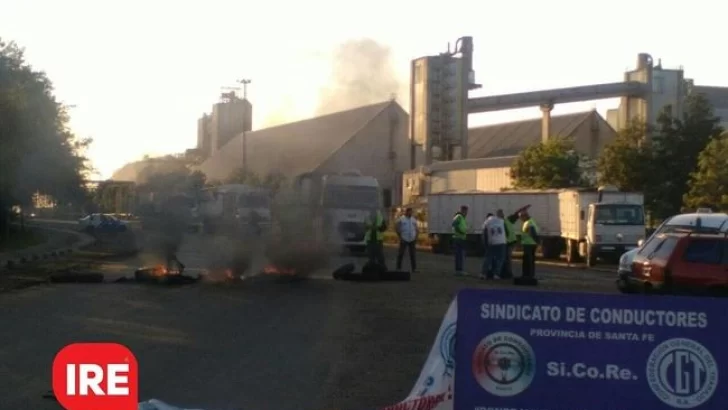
(684, 222)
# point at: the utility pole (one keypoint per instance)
(245, 83)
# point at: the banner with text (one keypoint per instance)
(527, 350)
(434, 388)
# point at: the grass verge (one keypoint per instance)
(21, 239)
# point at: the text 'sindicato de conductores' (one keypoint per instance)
(594, 315)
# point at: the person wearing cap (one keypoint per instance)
(460, 235)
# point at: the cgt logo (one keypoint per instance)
(91, 376)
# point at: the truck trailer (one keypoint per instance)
(585, 223)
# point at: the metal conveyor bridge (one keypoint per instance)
(556, 96)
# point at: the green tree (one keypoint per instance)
(38, 152)
(626, 162)
(551, 164)
(709, 182)
(677, 144)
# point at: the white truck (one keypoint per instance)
(234, 205)
(339, 205)
(586, 223)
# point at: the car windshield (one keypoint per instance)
(619, 214)
(347, 196)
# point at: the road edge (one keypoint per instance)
(82, 240)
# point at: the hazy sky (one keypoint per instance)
(140, 73)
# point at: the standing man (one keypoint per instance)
(374, 238)
(407, 232)
(495, 251)
(511, 239)
(459, 236)
(529, 242)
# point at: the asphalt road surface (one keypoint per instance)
(262, 344)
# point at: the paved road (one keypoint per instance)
(258, 345)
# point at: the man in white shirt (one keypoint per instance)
(494, 238)
(407, 232)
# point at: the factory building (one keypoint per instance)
(494, 148)
(669, 88)
(373, 139)
(229, 117)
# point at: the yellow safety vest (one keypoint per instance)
(459, 224)
(526, 238)
(377, 225)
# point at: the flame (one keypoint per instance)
(229, 274)
(276, 270)
(162, 270)
(159, 270)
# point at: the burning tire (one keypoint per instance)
(162, 275)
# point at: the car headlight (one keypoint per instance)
(625, 262)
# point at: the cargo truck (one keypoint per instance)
(234, 207)
(587, 224)
(339, 206)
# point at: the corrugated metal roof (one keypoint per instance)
(292, 148)
(477, 163)
(509, 139)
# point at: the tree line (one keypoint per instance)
(38, 151)
(680, 163)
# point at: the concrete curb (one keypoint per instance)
(30, 255)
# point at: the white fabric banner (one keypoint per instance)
(433, 390)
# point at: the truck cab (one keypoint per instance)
(341, 205)
(235, 205)
(602, 223)
(613, 228)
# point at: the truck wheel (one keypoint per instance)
(445, 244)
(550, 248)
(591, 257)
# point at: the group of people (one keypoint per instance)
(407, 231)
(500, 236)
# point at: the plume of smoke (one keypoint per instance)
(363, 73)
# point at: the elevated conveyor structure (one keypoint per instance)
(556, 96)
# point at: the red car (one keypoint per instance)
(678, 262)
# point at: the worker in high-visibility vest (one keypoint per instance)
(529, 242)
(459, 236)
(511, 239)
(374, 238)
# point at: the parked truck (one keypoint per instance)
(339, 205)
(585, 223)
(234, 207)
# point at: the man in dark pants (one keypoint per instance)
(407, 232)
(460, 236)
(529, 242)
(374, 238)
(511, 239)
